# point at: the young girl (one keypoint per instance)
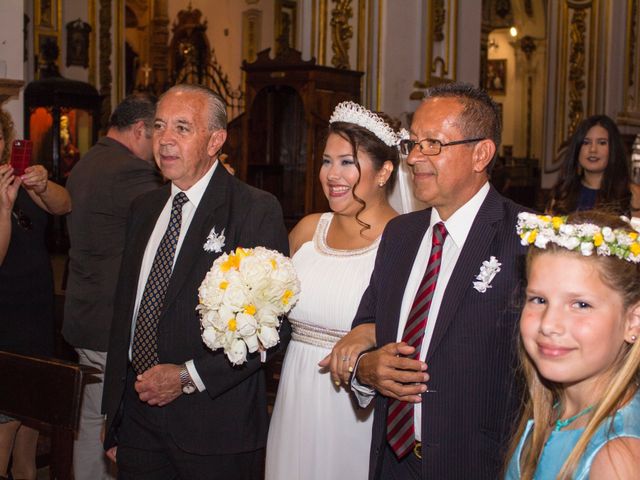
(580, 351)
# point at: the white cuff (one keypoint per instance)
(193, 373)
(363, 393)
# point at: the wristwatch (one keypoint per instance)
(187, 384)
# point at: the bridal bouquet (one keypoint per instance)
(242, 298)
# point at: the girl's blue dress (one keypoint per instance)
(626, 423)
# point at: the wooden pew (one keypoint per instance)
(46, 394)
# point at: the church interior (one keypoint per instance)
(283, 65)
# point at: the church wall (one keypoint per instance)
(12, 54)
(224, 29)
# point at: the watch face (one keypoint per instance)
(189, 388)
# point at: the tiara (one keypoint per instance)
(351, 112)
(586, 238)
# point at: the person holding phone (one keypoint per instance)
(26, 283)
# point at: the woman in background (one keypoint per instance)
(595, 173)
(26, 284)
(316, 430)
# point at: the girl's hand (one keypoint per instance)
(36, 178)
(9, 185)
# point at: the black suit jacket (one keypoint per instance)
(231, 415)
(472, 355)
(102, 187)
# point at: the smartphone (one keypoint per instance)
(21, 156)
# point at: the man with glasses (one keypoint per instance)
(442, 300)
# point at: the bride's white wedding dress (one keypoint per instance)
(317, 431)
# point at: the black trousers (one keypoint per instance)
(146, 450)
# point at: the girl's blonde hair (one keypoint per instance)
(542, 395)
(8, 132)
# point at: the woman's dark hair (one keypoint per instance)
(378, 151)
(614, 192)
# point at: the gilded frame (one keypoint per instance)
(286, 9)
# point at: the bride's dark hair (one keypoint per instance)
(379, 152)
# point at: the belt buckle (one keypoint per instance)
(417, 450)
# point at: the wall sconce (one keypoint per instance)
(513, 31)
(493, 44)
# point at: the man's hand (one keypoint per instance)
(111, 454)
(393, 375)
(345, 353)
(160, 385)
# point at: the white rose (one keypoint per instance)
(212, 339)
(235, 296)
(237, 352)
(246, 325)
(268, 336)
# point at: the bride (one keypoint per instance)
(317, 431)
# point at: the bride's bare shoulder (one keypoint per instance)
(303, 231)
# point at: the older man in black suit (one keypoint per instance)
(174, 408)
(116, 170)
(442, 297)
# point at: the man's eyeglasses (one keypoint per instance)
(431, 146)
(22, 218)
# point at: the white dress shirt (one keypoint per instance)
(194, 194)
(458, 227)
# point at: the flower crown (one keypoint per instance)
(586, 238)
(351, 112)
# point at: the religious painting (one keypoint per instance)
(496, 79)
(286, 14)
(47, 47)
(46, 13)
(78, 43)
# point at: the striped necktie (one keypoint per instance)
(144, 352)
(400, 428)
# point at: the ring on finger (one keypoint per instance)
(345, 358)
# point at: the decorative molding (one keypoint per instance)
(92, 43)
(9, 88)
(251, 33)
(438, 20)
(362, 15)
(159, 46)
(322, 33)
(341, 33)
(577, 84)
(440, 44)
(631, 113)
(105, 62)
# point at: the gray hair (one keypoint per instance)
(217, 111)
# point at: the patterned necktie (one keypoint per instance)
(144, 352)
(400, 428)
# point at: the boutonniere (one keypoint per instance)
(488, 271)
(215, 241)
